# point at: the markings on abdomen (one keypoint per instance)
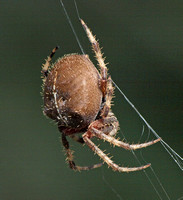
(55, 97)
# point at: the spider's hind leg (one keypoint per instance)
(69, 154)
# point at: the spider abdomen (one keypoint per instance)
(72, 95)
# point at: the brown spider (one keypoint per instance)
(78, 98)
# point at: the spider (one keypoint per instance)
(78, 98)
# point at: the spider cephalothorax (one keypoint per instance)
(78, 98)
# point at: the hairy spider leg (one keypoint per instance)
(69, 154)
(97, 50)
(116, 142)
(45, 67)
(109, 95)
(106, 159)
(105, 83)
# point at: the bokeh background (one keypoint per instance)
(143, 42)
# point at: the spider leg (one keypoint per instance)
(77, 138)
(47, 63)
(109, 95)
(106, 159)
(98, 54)
(72, 164)
(118, 143)
(105, 83)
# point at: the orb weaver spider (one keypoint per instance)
(78, 98)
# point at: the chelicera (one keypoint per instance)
(78, 98)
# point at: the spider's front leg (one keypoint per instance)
(69, 154)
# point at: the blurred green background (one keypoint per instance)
(143, 42)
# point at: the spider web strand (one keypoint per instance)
(157, 178)
(72, 27)
(146, 174)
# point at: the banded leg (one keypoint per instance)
(116, 142)
(106, 159)
(47, 63)
(72, 164)
(100, 59)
